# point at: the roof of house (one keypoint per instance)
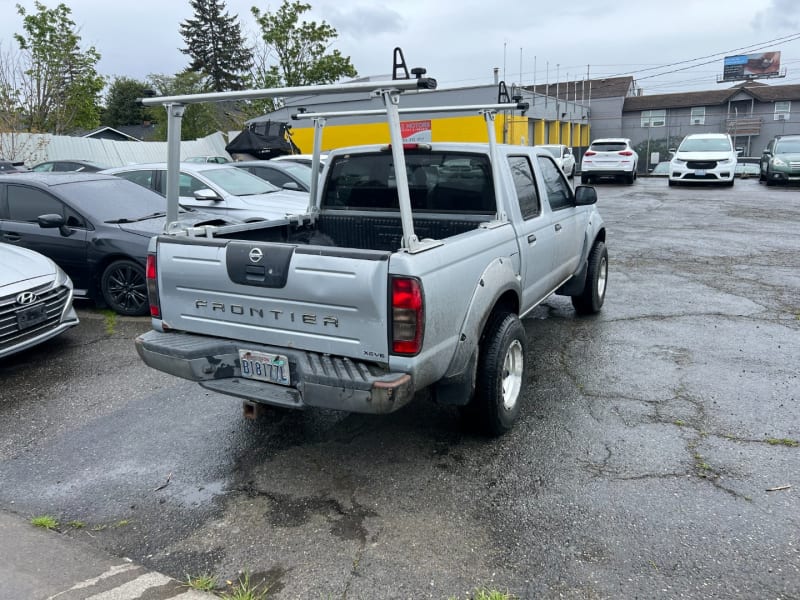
(759, 91)
(610, 87)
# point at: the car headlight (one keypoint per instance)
(678, 162)
(778, 162)
(726, 162)
(62, 279)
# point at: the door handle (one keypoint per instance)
(11, 237)
(531, 238)
(558, 227)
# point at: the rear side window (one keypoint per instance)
(26, 204)
(437, 181)
(525, 184)
(608, 146)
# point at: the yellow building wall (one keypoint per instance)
(538, 133)
(555, 131)
(566, 137)
(450, 129)
(585, 132)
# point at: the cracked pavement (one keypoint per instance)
(640, 468)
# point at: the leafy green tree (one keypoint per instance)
(59, 86)
(214, 43)
(122, 107)
(302, 50)
(199, 120)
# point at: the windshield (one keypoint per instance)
(705, 145)
(112, 199)
(608, 146)
(302, 172)
(787, 146)
(238, 182)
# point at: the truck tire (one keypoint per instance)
(590, 300)
(501, 375)
(124, 288)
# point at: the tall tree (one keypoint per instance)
(60, 86)
(303, 49)
(122, 107)
(199, 120)
(216, 47)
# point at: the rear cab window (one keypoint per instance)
(438, 182)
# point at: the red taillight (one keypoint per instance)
(407, 315)
(589, 153)
(626, 153)
(152, 286)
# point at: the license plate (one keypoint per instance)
(700, 173)
(31, 316)
(264, 366)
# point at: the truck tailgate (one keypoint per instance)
(314, 298)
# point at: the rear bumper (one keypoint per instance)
(317, 380)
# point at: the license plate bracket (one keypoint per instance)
(264, 366)
(30, 316)
(700, 173)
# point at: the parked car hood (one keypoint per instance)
(154, 226)
(703, 155)
(20, 264)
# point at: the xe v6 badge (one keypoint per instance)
(256, 255)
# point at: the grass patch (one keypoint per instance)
(244, 589)
(76, 524)
(45, 522)
(122, 523)
(110, 320)
(782, 442)
(679, 422)
(203, 583)
(486, 594)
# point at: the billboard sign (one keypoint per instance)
(416, 131)
(751, 66)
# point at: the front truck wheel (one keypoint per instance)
(590, 300)
(501, 375)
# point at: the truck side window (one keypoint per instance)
(559, 192)
(527, 196)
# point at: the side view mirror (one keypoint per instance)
(291, 185)
(207, 195)
(585, 195)
(53, 221)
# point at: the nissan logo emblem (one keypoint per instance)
(256, 255)
(26, 298)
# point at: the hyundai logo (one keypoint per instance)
(256, 255)
(26, 298)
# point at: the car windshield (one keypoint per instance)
(608, 146)
(554, 150)
(238, 182)
(787, 146)
(705, 145)
(113, 199)
(302, 172)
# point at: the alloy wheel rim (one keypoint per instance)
(512, 374)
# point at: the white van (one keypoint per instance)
(704, 158)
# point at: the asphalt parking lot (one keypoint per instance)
(656, 455)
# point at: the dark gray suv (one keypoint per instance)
(780, 161)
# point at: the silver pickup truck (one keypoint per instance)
(411, 269)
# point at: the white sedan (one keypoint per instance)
(564, 157)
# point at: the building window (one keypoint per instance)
(654, 118)
(698, 116)
(782, 110)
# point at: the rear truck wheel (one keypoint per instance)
(124, 288)
(591, 299)
(501, 374)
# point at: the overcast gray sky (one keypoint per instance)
(461, 42)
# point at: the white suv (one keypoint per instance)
(704, 158)
(563, 156)
(609, 157)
